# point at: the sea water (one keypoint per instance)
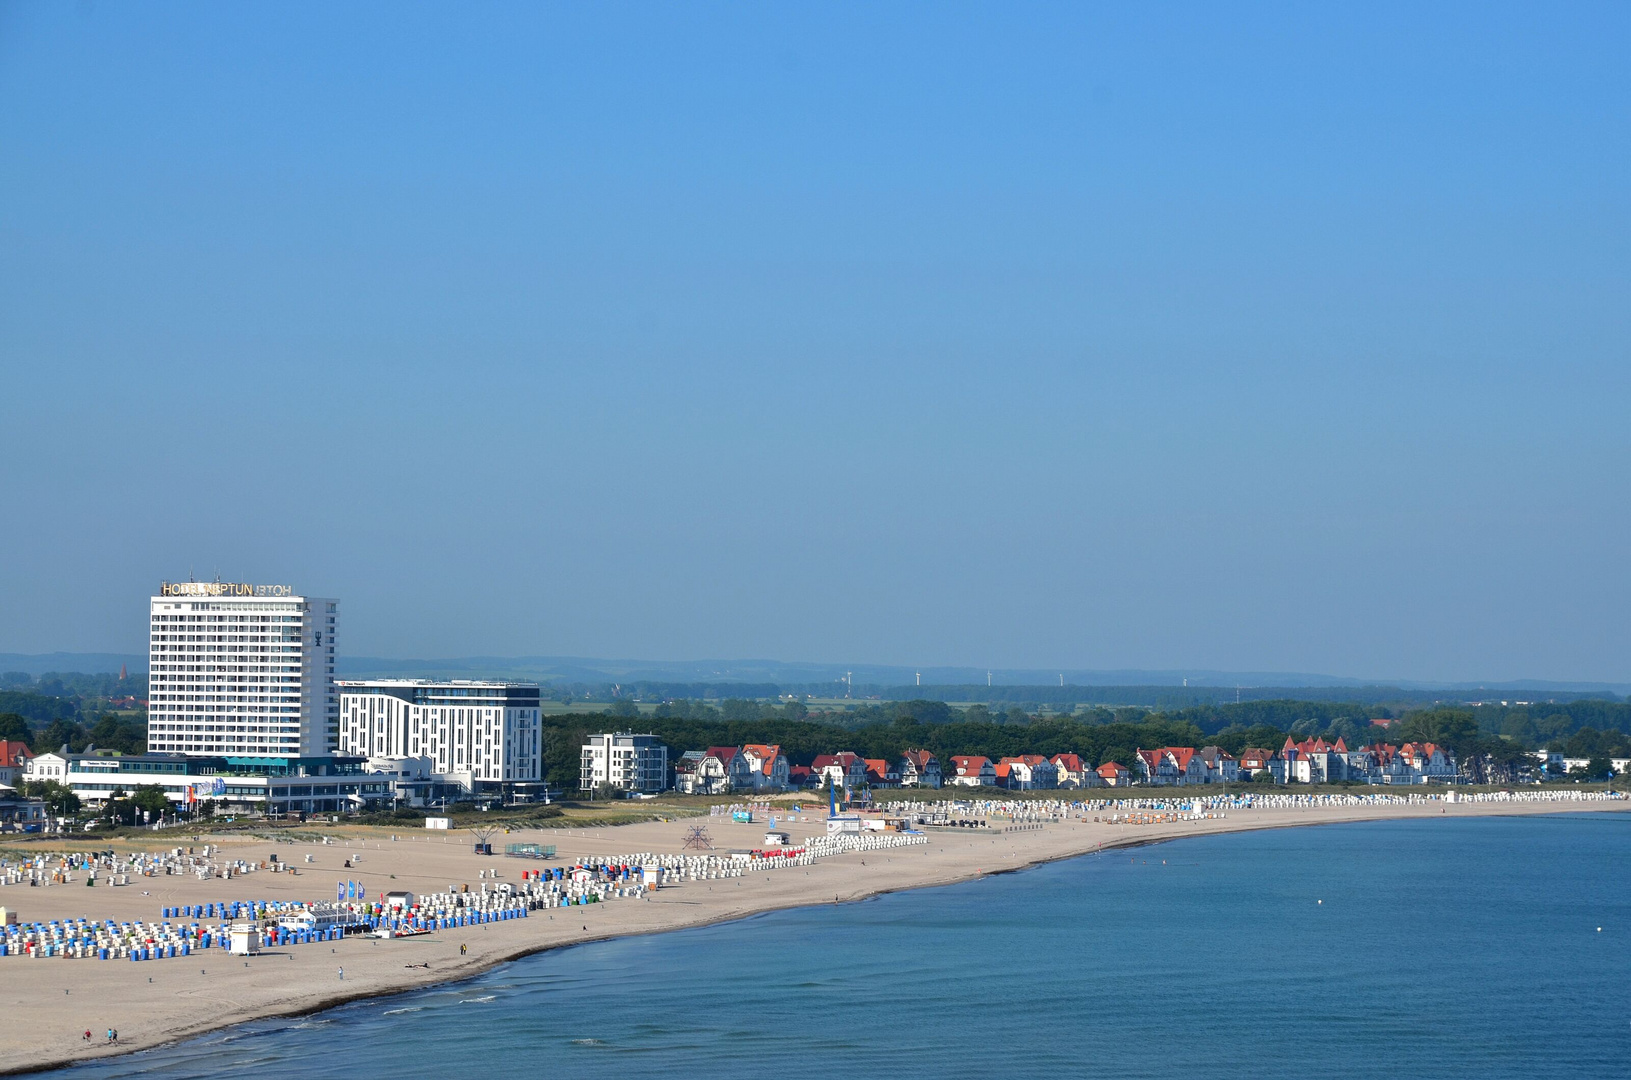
(1419, 948)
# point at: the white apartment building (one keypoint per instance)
(475, 733)
(632, 762)
(240, 669)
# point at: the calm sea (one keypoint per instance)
(1451, 948)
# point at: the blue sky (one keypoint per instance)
(1266, 337)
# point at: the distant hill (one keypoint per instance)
(758, 677)
(899, 680)
(37, 664)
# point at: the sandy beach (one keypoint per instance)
(50, 1003)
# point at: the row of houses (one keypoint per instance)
(764, 767)
(1029, 772)
(1311, 761)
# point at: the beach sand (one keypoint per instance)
(50, 1003)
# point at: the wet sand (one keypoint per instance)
(50, 1003)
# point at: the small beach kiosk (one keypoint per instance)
(244, 939)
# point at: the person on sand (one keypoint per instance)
(463, 948)
(342, 974)
(87, 1034)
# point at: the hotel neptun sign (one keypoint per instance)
(222, 588)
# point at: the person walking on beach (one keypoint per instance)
(463, 948)
(110, 1036)
(87, 1034)
(342, 974)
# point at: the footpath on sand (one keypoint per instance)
(51, 1003)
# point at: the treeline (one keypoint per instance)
(37, 708)
(1159, 698)
(110, 731)
(1284, 715)
(862, 714)
(1544, 724)
(66, 709)
(1034, 698)
(75, 684)
(1535, 725)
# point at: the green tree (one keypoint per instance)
(119, 810)
(928, 712)
(1506, 760)
(59, 798)
(1553, 726)
(127, 735)
(1236, 739)
(740, 709)
(63, 802)
(1455, 729)
(58, 733)
(13, 728)
(563, 751)
(1589, 742)
(151, 799)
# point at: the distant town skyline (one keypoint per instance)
(1071, 338)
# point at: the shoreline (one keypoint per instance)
(947, 861)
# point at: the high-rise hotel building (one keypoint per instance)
(241, 670)
(475, 733)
